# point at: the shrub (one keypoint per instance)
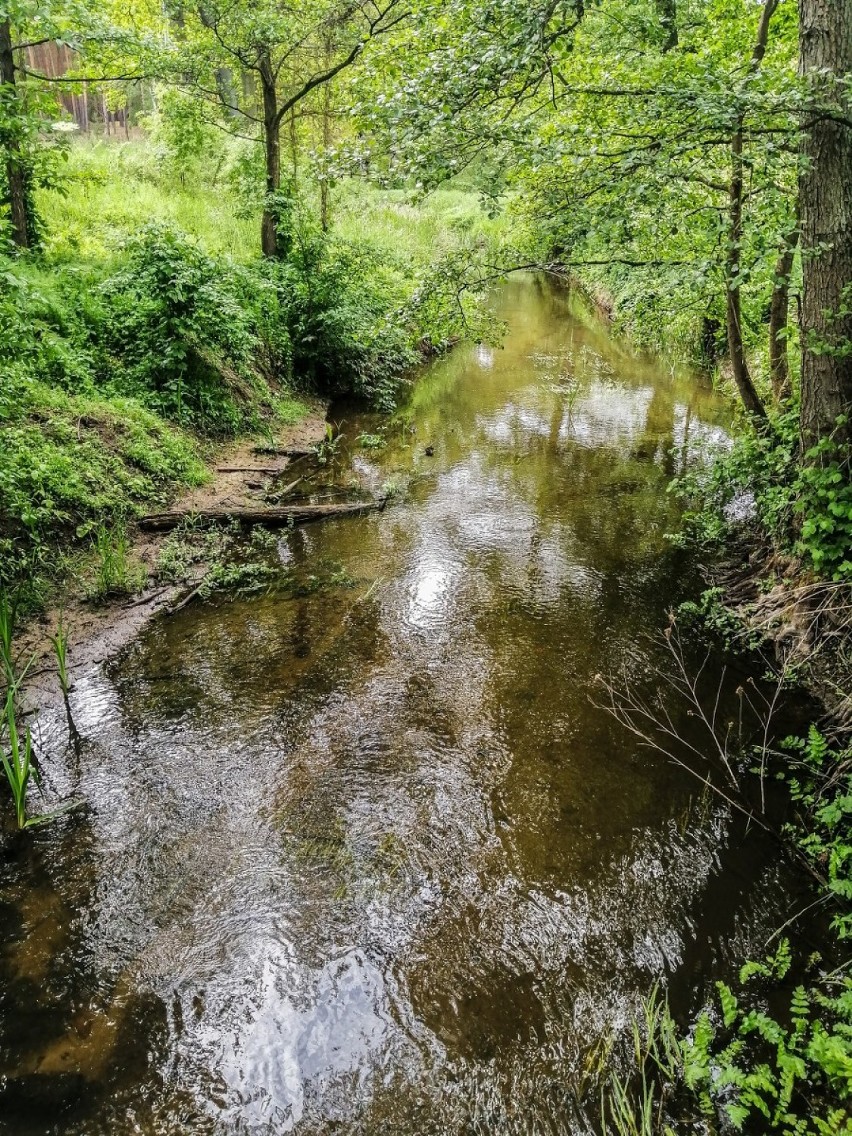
(183, 331)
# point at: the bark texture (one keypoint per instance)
(272, 148)
(825, 192)
(275, 517)
(779, 310)
(736, 343)
(16, 174)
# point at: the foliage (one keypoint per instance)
(184, 331)
(742, 1066)
(805, 506)
(712, 619)
(606, 127)
(115, 573)
(820, 780)
(17, 757)
(785, 1070)
(183, 138)
(121, 342)
(71, 462)
(59, 643)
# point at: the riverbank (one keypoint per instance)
(97, 627)
(146, 329)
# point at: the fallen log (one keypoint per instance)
(272, 470)
(283, 515)
(278, 452)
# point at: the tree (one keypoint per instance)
(826, 204)
(658, 142)
(733, 275)
(17, 196)
(27, 95)
(289, 51)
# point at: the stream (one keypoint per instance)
(370, 858)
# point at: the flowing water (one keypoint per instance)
(368, 858)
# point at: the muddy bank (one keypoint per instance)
(240, 477)
(806, 624)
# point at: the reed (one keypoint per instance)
(17, 761)
(7, 635)
(115, 574)
(635, 1104)
(59, 642)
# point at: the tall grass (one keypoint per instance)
(115, 573)
(17, 760)
(16, 752)
(17, 756)
(634, 1103)
(110, 188)
(59, 642)
(7, 635)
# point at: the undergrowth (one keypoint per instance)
(773, 1055)
(804, 507)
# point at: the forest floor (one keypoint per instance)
(97, 629)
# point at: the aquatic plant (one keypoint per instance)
(59, 642)
(370, 441)
(634, 1102)
(326, 450)
(390, 488)
(740, 1065)
(7, 632)
(115, 572)
(16, 756)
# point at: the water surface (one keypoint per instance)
(370, 859)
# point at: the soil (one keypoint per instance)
(807, 623)
(96, 631)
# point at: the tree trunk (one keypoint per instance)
(84, 109)
(733, 278)
(825, 53)
(294, 149)
(668, 18)
(733, 306)
(272, 148)
(326, 146)
(16, 174)
(779, 309)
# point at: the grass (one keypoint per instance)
(16, 753)
(634, 1104)
(116, 573)
(426, 228)
(69, 464)
(111, 188)
(7, 638)
(17, 760)
(59, 642)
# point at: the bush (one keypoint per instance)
(339, 301)
(183, 332)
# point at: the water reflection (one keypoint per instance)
(369, 859)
